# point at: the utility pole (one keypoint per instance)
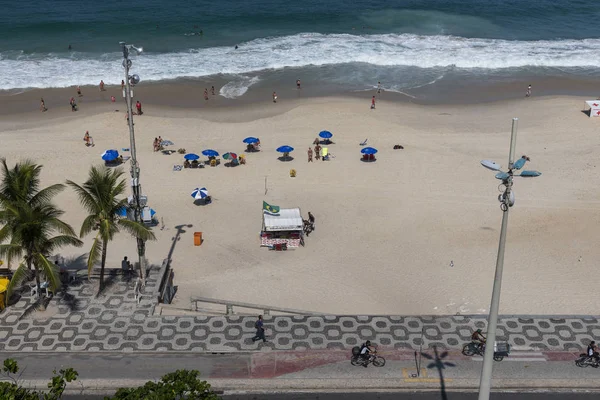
(135, 169)
(507, 200)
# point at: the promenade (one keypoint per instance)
(78, 320)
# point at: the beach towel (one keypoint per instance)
(177, 167)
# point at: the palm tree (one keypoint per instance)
(30, 220)
(99, 197)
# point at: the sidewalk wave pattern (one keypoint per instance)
(114, 321)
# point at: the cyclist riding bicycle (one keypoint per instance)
(592, 351)
(365, 351)
(478, 339)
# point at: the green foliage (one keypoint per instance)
(10, 366)
(59, 382)
(31, 225)
(12, 390)
(181, 384)
(101, 196)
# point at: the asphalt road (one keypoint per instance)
(393, 396)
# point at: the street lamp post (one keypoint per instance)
(507, 200)
(135, 169)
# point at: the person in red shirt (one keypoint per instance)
(373, 103)
(138, 106)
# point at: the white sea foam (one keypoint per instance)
(238, 86)
(300, 50)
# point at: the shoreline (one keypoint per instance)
(187, 95)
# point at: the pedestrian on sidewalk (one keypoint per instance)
(260, 330)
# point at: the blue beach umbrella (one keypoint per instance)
(210, 153)
(369, 150)
(191, 157)
(285, 149)
(122, 212)
(110, 155)
(325, 134)
(250, 140)
(200, 193)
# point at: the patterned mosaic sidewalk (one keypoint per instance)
(80, 321)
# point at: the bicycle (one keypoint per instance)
(374, 359)
(586, 361)
(471, 349)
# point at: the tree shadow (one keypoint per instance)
(437, 361)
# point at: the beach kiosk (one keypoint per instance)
(281, 229)
(594, 106)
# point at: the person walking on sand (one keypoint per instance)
(101, 85)
(260, 330)
(318, 152)
(274, 97)
(311, 219)
(212, 90)
(298, 84)
(373, 103)
(73, 104)
(79, 91)
(205, 94)
(122, 84)
(138, 107)
(43, 105)
(310, 154)
(528, 93)
(378, 87)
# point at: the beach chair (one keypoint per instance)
(325, 154)
(364, 143)
(213, 163)
(292, 173)
(147, 218)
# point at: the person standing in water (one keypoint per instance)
(274, 97)
(43, 105)
(205, 94)
(298, 84)
(378, 87)
(528, 93)
(212, 90)
(101, 85)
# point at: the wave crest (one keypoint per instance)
(309, 49)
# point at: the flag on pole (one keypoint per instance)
(269, 208)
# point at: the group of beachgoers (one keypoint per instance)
(157, 145)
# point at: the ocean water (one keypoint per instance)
(402, 43)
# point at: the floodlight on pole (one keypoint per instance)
(135, 169)
(507, 200)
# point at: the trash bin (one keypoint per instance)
(197, 238)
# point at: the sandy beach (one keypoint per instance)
(386, 232)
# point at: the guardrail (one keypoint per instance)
(266, 310)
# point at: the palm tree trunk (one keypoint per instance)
(103, 264)
(37, 279)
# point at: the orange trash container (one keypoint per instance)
(197, 238)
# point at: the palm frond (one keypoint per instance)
(89, 224)
(57, 242)
(45, 195)
(136, 229)
(11, 251)
(50, 270)
(19, 276)
(61, 226)
(87, 200)
(95, 252)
